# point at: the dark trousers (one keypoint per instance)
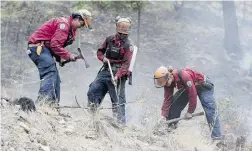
(206, 97)
(49, 76)
(103, 84)
(179, 102)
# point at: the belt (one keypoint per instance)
(34, 45)
(204, 80)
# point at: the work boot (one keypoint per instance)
(92, 108)
(219, 141)
(218, 138)
(172, 126)
(114, 110)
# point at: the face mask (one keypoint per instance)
(122, 36)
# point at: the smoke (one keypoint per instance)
(246, 63)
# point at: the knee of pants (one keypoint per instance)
(43, 71)
(210, 108)
(122, 99)
(48, 82)
(96, 93)
(91, 96)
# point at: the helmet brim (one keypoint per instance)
(160, 82)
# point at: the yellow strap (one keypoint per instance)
(39, 48)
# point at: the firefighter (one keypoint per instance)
(117, 49)
(189, 84)
(49, 42)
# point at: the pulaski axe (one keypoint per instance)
(80, 56)
(159, 124)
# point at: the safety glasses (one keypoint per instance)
(160, 82)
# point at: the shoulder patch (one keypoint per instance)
(62, 26)
(189, 83)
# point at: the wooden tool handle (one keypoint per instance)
(182, 118)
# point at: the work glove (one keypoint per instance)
(188, 116)
(73, 57)
(162, 119)
(105, 60)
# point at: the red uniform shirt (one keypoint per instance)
(56, 31)
(125, 61)
(191, 79)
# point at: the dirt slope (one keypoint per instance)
(47, 130)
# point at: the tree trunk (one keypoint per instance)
(244, 11)
(138, 26)
(231, 39)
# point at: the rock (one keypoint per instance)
(25, 127)
(68, 131)
(62, 122)
(11, 149)
(42, 141)
(34, 131)
(4, 103)
(44, 148)
(91, 134)
(70, 127)
(21, 149)
(63, 149)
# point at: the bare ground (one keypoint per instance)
(47, 130)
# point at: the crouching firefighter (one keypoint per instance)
(49, 41)
(189, 84)
(115, 51)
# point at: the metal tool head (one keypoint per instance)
(80, 56)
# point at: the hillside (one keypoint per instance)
(193, 39)
(47, 130)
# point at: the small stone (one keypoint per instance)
(11, 149)
(34, 131)
(70, 127)
(25, 127)
(62, 122)
(4, 103)
(63, 149)
(44, 148)
(68, 131)
(42, 141)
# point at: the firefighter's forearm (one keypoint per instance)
(61, 52)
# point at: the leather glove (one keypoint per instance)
(73, 57)
(188, 116)
(115, 80)
(162, 119)
(105, 60)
